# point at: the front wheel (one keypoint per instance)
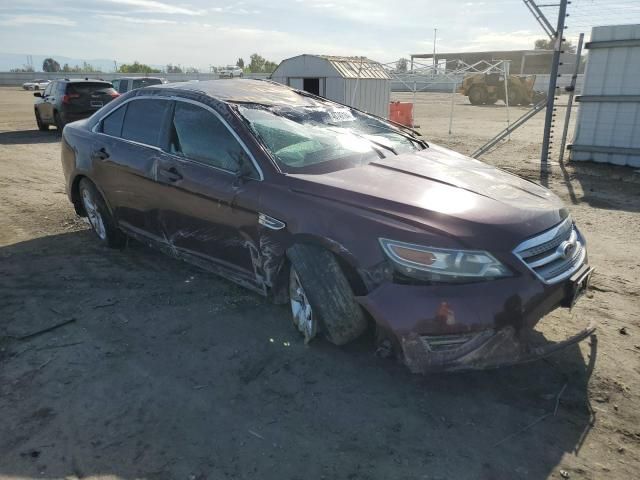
(99, 216)
(321, 297)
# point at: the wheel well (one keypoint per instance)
(75, 196)
(353, 277)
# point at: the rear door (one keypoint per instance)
(207, 213)
(125, 158)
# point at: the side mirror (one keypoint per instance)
(37, 94)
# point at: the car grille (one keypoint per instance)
(555, 254)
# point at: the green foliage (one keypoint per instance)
(85, 68)
(240, 63)
(173, 69)
(23, 69)
(258, 64)
(50, 65)
(547, 44)
(137, 67)
(192, 70)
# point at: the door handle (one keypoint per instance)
(101, 154)
(170, 174)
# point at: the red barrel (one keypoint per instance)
(402, 113)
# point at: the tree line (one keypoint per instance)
(257, 64)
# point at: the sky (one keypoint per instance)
(202, 33)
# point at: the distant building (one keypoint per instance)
(356, 81)
(523, 62)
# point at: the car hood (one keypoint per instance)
(446, 192)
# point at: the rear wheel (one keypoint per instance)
(99, 216)
(43, 127)
(59, 122)
(478, 95)
(322, 300)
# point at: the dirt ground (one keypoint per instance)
(167, 372)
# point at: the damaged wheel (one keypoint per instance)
(99, 216)
(321, 298)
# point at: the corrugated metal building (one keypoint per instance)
(355, 81)
(608, 122)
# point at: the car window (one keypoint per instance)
(143, 121)
(47, 91)
(116, 84)
(85, 88)
(112, 124)
(60, 86)
(198, 134)
(144, 82)
(124, 86)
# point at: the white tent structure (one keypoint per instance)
(355, 81)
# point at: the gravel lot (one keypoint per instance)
(167, 372)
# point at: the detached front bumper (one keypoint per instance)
(485, 350)
(472, 326)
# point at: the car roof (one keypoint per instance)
(245, 91)
(82, 80)
(138, 78)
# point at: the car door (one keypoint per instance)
(208, 213)
(45, 108)
(125, 156)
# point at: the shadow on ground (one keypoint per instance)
(29, 137)
(168, 372)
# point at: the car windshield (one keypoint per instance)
(308, 139)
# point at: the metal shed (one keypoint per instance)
(354, 81)
(608, 122)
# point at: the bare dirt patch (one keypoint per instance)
(168, 372)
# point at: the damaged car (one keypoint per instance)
(354, 221)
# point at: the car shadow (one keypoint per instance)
(166, 371)
(29, 137)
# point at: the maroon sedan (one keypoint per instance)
(354, 221)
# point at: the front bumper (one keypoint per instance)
(471, 326)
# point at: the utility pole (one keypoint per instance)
(558, 38)
(435, 63)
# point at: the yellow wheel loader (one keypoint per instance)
(488, 88)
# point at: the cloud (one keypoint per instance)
(157, 7)
(20, 20)
(150, 21)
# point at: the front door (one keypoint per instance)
(45, 109)
(207, 213)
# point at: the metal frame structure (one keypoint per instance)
(571, 89)
(428, 75)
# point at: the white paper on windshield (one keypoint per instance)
(342, 115)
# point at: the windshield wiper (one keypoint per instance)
(411, 138)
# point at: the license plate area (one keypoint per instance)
(578, 286)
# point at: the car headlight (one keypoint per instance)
(442, 265)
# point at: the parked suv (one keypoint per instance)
(125, 84)
(65, 101)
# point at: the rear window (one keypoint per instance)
(143, 121)
(88, 87)
(112, 125)
(144, 82)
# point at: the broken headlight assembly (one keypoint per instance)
(442, 265)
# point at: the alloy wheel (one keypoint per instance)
(93, 214)
(301, 310)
